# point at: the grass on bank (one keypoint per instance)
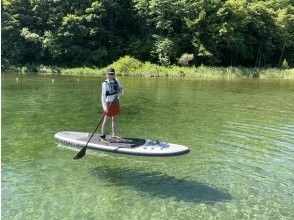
(128, 66)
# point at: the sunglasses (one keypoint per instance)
(111, 73)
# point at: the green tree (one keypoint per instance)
(97, 32)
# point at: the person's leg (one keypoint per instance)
(114, 126)
(104, 126)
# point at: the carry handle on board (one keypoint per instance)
(82, 152)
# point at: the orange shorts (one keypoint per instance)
(113, 109)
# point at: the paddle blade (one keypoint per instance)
(81, 154)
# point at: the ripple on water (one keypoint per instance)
(259, 153)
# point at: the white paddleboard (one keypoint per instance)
(132, 146)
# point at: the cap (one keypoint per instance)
(110, 70)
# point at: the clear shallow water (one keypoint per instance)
(240, 133)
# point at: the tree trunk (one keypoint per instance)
(282, 52)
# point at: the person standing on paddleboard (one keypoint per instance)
(110, 103)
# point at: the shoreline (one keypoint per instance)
(131, 67)
(199, 73)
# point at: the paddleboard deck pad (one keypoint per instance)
(132, 146)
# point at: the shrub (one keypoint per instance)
(285, 64)
(126, 65)
(185, 59)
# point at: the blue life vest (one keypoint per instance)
(112, 87)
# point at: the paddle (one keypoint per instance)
(82, 152)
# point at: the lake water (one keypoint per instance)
(240, 133)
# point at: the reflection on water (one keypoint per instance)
(161, 185)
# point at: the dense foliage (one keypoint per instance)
(182, 32)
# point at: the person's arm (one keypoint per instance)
(103, 96)
(121, 89)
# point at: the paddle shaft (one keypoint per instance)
(82, 152)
